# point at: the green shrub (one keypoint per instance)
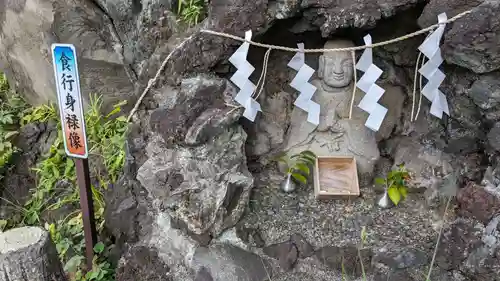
(11, 107)
(298, 165)
(105, 137)
(396, 183)
(191, 11)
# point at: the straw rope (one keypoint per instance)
(153, 81)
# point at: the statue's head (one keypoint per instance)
(336, 68)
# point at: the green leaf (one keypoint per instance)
(309, 153)
(99, 247)
(394, 194)
(308, 160)
(73, 263)
(303, 167)
(92, 275)
(10, 134)
(403, 191)
(391, 175)
(3, 224)
(299, 178)
(121, 119)
(380, 181)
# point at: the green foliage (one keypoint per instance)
(106, 137)
(396, 183)
(11, 105)
(299, 165)
(40, 114)
(191, 11)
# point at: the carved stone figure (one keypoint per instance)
(336, 134)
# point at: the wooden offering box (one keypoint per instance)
(335, 177)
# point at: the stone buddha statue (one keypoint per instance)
(336, 134)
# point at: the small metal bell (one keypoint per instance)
(288, 185)
(385, 202)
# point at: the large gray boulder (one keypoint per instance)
(472, 41)
(28, 28)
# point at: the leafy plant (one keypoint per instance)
(11, 105)
(396, 183)
(106, 137)
(191, 11)
(299, 165)
(41, 114)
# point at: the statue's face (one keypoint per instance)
(337, 69)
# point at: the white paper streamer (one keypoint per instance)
(306, 89)
(373, 92)
(240, 79)
(430, 70)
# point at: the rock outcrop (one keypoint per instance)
(181, 209)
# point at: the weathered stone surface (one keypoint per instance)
(28, 29)
(347, 257)
(250, 236)
(211, 123)
(286, 253)
(472, 41)
(272, 124)
(424, 161)
(183, 108)
(225, 262)
(330, 15)
(479, 202)
(141, 263)
(471, 248)
(450, 7)
(282, 9)
(305, 249)
(463, 139)
(494, 137)
(203, 275)
(485, 91)
(393, 100)
(206, 186)
(204, 51)
(402, 258)
(142, 27)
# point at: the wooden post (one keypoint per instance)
(28, 254)
(86, 203)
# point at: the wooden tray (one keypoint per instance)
(335, 177)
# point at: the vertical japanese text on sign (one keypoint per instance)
(70, 100)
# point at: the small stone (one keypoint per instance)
(227, 262)
(345, 257)
(402, 258)
(286, 253)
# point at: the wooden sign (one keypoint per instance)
(335, 177)
(75, 139)
(70, 100)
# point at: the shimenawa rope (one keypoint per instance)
(153, 81)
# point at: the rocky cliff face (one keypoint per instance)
(196, 199)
